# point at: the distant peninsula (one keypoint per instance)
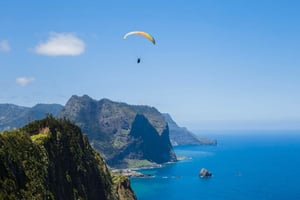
(182, 136)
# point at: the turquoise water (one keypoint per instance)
(245, 165)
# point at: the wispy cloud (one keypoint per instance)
(23, 81)
(4, 46)
(61, 44)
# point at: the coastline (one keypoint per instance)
(234, 174)
(136, 172)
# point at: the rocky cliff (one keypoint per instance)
(51, 159)
(126, 135)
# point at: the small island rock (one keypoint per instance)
(204, 173)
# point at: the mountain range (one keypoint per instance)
(14, 116)
(125, 135)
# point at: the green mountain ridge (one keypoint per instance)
(119, 131)
(52, 159)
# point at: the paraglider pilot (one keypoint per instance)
(138, 60)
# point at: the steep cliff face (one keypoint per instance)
(51, 159)
(144, 144)
(124, 134)
(149, 142)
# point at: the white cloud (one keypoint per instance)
(61, 44)
(23, 81)
(4, 46)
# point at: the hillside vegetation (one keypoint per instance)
(52, 159)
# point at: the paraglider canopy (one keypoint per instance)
(144, 34)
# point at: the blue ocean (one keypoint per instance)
(245, 165)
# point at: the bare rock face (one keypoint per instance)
(124, 190)
(204, 173)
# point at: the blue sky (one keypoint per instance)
(216, 64)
